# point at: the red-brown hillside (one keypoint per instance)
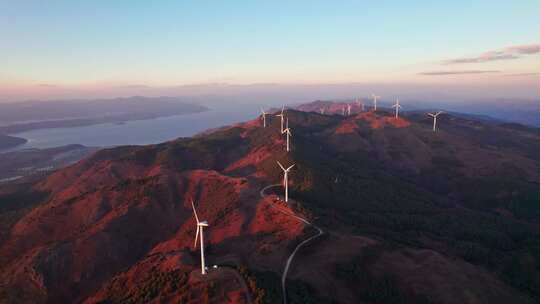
(118, 226)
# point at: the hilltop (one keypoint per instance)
(410, 216)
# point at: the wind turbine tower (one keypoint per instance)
(281, 115)
(360, 104)
(285, 180)
(200, 226)
(287, 131)
(263, 117)
(397, 107)
(375, 98)
(434, 115)
(348, 110)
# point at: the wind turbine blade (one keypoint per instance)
(290, 167)
(281, 166)
(196, 237)
(194, 211)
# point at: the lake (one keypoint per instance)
(139, 132)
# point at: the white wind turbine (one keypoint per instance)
(282, 116)
(360, 104)
(200, 226)
(287, 131)
(434, 115)
(263, 117)
(397, 106)
(375, 98)
(286, 180)
(348, 110)
(343, 111)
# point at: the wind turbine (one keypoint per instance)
(348, 110)
(285, 180)
(375, 97)
(397, 106)
(263, 117)
(282, 116)
(200, 226)
(434, 115)
(360, 104)
(288, 132)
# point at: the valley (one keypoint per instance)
(36, 163)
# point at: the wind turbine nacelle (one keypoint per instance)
(203, 223)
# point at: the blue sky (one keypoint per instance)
(165, 43)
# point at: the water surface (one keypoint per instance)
(139, 132)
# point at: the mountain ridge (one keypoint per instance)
(386, 190)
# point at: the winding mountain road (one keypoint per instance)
(291, 257)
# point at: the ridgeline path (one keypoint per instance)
(291, 257)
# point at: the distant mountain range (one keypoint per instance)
(523, 111)
(409, 216)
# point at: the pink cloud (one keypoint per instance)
(526, 49)
(522, 74)
(509, 53)
(466, 72)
